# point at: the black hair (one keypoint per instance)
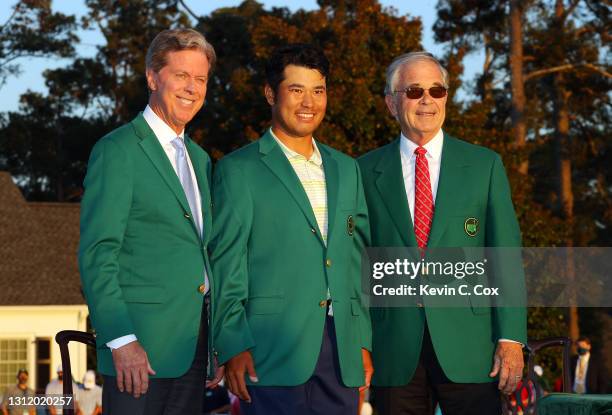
(299, 54)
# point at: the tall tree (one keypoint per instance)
(87, 98)
(33, 30)
(519, 124)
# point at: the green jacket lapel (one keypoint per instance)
(275, 160)
(153, 149)
(201, 170)
(390, 184)
(330, 167)
(449, 185)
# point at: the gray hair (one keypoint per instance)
(406, 59)
(174, 40)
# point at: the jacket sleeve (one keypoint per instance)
(105, 210)
(232, 213)
(503, 233)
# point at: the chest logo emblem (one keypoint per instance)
(471, 226)
(350, 225)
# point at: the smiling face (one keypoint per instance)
(420, 119)
(299, 104)
(179, 88)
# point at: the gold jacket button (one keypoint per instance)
(323, 303)
(187, 216)
(420, 305)
(328, 262)
(202, 288)
(313, 230)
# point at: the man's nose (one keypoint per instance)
(307, 101)
(190, 85)
(426, 98)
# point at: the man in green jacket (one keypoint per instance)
(145, 226)
(430, 190)
(290, 222)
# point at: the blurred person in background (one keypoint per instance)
(56, 388)
(89, 397)
(20, 390)
(589, 374)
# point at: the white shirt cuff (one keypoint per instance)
(511, 341)
(121, 341)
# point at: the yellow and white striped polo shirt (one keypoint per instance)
(312, 176)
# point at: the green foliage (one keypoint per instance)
(359, 37)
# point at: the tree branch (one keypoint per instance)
(15, 10)
(570, 9)
(195, 16)
(567, 67)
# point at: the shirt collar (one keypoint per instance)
(433, 147)
(290, 154)
(162, 131)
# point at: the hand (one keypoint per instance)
(219, 374)
(235, 370)
(508, 362)
(368, 368)
(133, 368)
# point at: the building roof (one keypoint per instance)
(38, 250)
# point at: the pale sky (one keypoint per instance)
(31, 77)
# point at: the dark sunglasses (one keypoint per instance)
(416, 92)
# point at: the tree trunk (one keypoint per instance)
(486, 82)
(564, 165)
(519, 125)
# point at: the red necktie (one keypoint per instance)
(423, 199)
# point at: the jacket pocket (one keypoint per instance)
(264, 305)
(480, 305)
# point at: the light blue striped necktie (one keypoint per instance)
(184, 176)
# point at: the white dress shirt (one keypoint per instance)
(434, 158)
(165, 135)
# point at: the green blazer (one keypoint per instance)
(140, 256)
(472, 184)
(272, 269)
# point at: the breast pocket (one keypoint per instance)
(467, 226)
(347, 216)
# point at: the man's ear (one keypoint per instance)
(390, 101)
(151, 83)
(269, 93)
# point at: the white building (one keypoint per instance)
(40, 290)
